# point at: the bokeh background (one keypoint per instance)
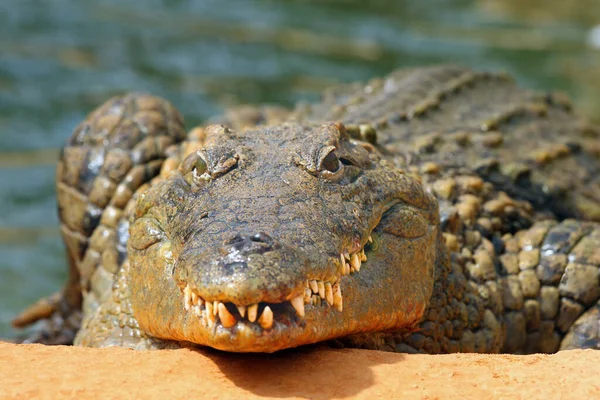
(61, 58)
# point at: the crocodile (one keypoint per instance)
(434, 210)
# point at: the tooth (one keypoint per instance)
(298, 304)
(252, 311)
(210, 318)
(315, 300)
(187, 297)
(355, 261)
(242, 310)
(314, 286)
(370, 239)
(306, 283)
(227, 319)
(196, 309)
(346, 269)
(346, 256)
(215, 308)
(307, 294)
(266, 319)
(363, 256)
(342, 260)
(321, 289)
(337, 298)
(329, 293)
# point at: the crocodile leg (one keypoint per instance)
(119, 147)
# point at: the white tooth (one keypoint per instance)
(363, 256)
(210, 317)
(215, 308)
(346, 269)
(196, 309)
(298, 304)
(329, 293)
(347, 256)
(307, 294)
(370, 239)
(342, 260)
(337, 298)
(252, 311)
(242, 310)
(227, 320)
(266, 319)
(194, 298)
(314, 286)
(355, 261)
(321, 289)
(187, 297)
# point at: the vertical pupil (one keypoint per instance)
(331, 162)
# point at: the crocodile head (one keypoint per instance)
(281, 236)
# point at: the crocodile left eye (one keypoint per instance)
(331, 162)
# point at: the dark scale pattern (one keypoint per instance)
(256, 211)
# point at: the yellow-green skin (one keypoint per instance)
(472, 199)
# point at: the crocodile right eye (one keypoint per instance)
(200, 166)
(331, 162)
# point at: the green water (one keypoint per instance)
(61, 58)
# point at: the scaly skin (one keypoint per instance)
(436, 210)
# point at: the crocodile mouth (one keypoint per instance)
(315, 294)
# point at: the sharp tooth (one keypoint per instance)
(347, 256)
(329, 293)
(307, 294)
(363, 256)
(266, 318)
(342, 260)
(187, 297)
(298, 304)
(321, 289)
(209, 309)
(337, 298)
(347, 269)
(196, 309)
(355, 261)
(227, 319)
(215, 308)
(370, 239)
(194, 298)
(242, 310)
(314, 286)
(252, 311)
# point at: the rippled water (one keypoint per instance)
(61, 58)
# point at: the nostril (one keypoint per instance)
(262, 238)
(248, 244)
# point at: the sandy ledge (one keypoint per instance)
(36, 371)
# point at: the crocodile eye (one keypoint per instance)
(200, 166)
(331, 162)
(193, 162)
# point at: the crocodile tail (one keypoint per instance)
(120, 146)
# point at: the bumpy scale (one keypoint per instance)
(434, 210)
